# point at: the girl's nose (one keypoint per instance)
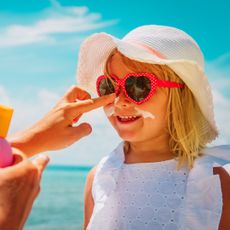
(122, 101)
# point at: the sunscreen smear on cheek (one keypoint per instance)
(110, 111)
(145, 114)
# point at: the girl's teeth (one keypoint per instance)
(127, 118)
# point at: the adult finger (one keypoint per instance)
(20, 169)
(91, 104)
(41, 162)
(82, 130)
(76, 93)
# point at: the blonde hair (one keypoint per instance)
(188, 129)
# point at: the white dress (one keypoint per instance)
(155, 195)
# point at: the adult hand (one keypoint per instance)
(55, 130)
(225, 186)
(19, 186)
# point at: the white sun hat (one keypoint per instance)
(150, 44)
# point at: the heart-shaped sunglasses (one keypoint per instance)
(137, 87)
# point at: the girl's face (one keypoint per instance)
(127, 120)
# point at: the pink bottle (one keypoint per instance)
(6, 156)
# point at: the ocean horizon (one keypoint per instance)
(60, 202)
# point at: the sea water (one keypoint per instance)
(60, 202)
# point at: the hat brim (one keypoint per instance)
(95, 50)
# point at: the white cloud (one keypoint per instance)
(222, 114)
(222, 61)
(4, 97)
(28, 107)
(60, 20)
(47, 98)
(218, 72)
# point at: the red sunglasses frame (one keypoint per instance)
(155, 83)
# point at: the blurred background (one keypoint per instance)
(39, 44)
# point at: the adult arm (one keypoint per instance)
(55, 131)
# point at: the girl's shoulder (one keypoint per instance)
(112, 160)
(210, 157)
(219, 151)
(216, 156)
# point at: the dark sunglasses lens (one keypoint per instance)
(106, 86)
(138, 88)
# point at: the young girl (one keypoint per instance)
(161, 176)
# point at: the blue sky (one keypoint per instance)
(39, 46)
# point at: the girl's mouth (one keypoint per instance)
(127, 119)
